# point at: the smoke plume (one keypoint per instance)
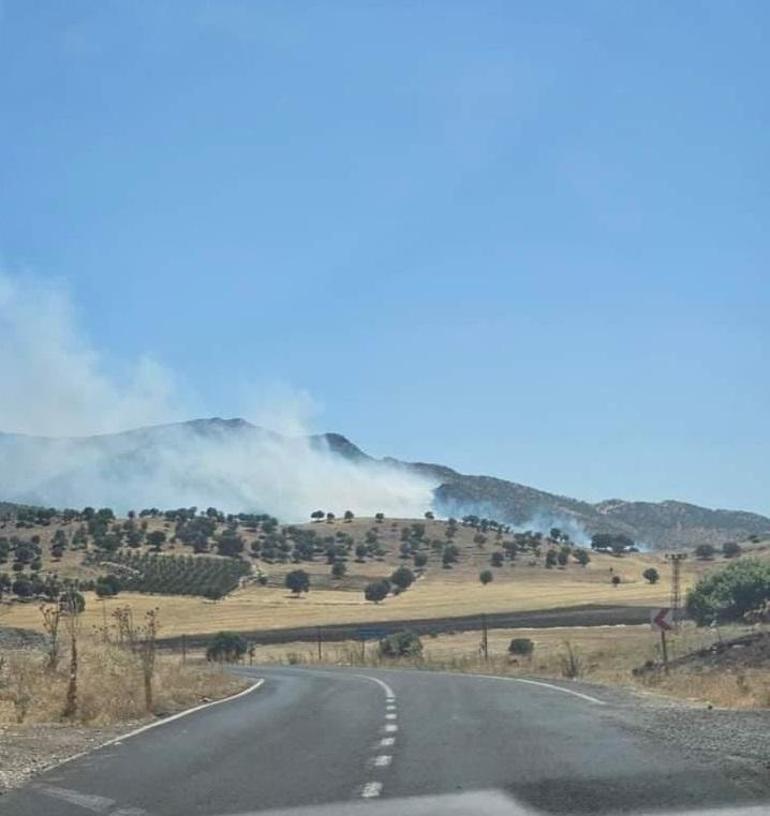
(59, 392)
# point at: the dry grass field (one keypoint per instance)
(518, 585)
(602, 654)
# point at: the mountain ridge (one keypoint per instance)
(126, 455)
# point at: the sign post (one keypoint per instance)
(369, 633)
(662, 620)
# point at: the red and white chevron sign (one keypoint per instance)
(662, 620)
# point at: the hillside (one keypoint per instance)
(238, 466)
(181, 560)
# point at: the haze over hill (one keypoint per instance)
(237, 466)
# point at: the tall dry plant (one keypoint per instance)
(52, 615)
(124, 626)
(147, 636)
(72, 625)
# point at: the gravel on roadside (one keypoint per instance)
(30, 748)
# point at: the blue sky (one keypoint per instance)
(523, 239)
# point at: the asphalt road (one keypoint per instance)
(326, 742)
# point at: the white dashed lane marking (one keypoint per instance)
(371, 790)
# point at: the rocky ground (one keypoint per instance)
(28, 749)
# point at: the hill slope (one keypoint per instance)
(238, 466)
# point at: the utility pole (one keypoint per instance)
(184, 649)
(676, 585)
(484, 638)
(318, 642)
(664, 649)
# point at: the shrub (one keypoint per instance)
(401, 644)
(420, 559)
(521, 646)
(486, 577)
(376, 591)
(651, 575)
(571, 663)
(496, 559)
(615, 580)
(227, 647)
(741, 587)
(339, 568)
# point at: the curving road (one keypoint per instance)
(323, 742)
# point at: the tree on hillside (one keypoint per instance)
(349, 515)
(705, 552)
(361, 552)
(107, 585)
(230, 544)
(615, 580)
(420, 559)
(156, 539)
(731, 549)
(496, 559)
(403, 577)
(618, 543)
(330, 517)
(297, 581)
(562, 557)
(582, 557)
(379, 517)
(339, 568)
(317, 515)
(486, 577)
(550, 559)
(651, 575)
(429, 515)
(376, 591)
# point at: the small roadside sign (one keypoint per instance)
(662, 620)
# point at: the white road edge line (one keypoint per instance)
(179, 715)
(390, 695)
(391, 729)
(87, 801)
(551, 686)
(387, 742)
(371, 790)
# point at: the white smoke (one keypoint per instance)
(56, 385)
